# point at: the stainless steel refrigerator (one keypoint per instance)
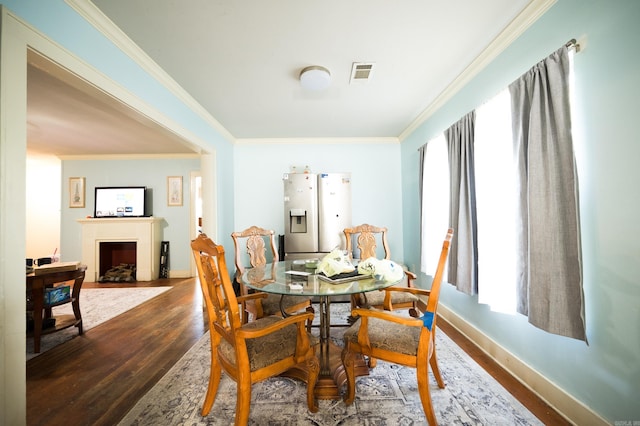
(317, 207)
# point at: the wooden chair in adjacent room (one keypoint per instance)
(367, 238)
(255, 244)
(248, 353)
(399, 339)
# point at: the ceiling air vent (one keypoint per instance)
(361, 72)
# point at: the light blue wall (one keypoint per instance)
(375, 182)
(604, 375)
(60, 23)
(150, 173)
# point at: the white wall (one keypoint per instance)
(43, 206)
(375, 182)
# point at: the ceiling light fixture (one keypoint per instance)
(315, 78)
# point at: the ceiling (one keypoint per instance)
(241, 60)
(68, 116)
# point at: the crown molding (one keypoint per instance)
(313, 141)
(516, 27)
(123, 157)
(102, 23)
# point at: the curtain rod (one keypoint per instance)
(573, 44)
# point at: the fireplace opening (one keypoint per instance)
(117, 261)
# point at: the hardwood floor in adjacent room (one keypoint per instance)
(95, 379)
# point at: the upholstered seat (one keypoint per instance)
(396, 300)
(400, 339)
(389, 336)
(271, 304)
(260, 350)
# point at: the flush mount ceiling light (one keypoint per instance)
(315, 77)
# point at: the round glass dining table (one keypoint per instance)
(291, 278)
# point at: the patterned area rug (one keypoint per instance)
(97, 306)
(388, 396)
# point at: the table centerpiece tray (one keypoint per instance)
(343, 277)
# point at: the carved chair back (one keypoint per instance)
(366, 238)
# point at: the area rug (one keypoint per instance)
(97, 306)
(388, 396)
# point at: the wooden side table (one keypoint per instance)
(36, 285)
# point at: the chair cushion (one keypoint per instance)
(271, 304)
(376, 298)
(266, 350)
(387, 335)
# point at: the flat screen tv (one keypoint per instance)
(121, 201)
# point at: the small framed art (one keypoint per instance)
(76, 192)
(174, 190)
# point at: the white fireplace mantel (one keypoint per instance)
(144, 231)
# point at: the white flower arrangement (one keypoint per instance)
(381, 270)
(334, 263)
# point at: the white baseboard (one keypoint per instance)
(179, 274)
(565, 404)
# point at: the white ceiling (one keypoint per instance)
(68, 116)
(241, 60)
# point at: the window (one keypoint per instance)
(495, 190)
(517, 197)
(435, 202)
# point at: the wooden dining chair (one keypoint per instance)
(399, 339)
(367, 238)
(255, 244)
(248, 353)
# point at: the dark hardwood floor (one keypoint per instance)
(95, 379)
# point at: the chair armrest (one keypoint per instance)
(303, 340)
(412, 290)
(387, 316)
(410, 276)
(258, 295)
(297, 319)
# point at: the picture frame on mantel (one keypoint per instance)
(174, 190)
(76, 192)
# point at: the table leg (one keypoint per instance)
(38, 306)
(325, 333)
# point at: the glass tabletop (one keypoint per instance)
(287, 277)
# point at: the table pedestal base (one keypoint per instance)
(330, 382)
(332, 375)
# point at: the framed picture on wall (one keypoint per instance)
(76, 192)
(174, 190)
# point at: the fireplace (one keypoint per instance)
(106, 242)
(117, 261)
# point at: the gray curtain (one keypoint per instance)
(463, 253)
(549, 266)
